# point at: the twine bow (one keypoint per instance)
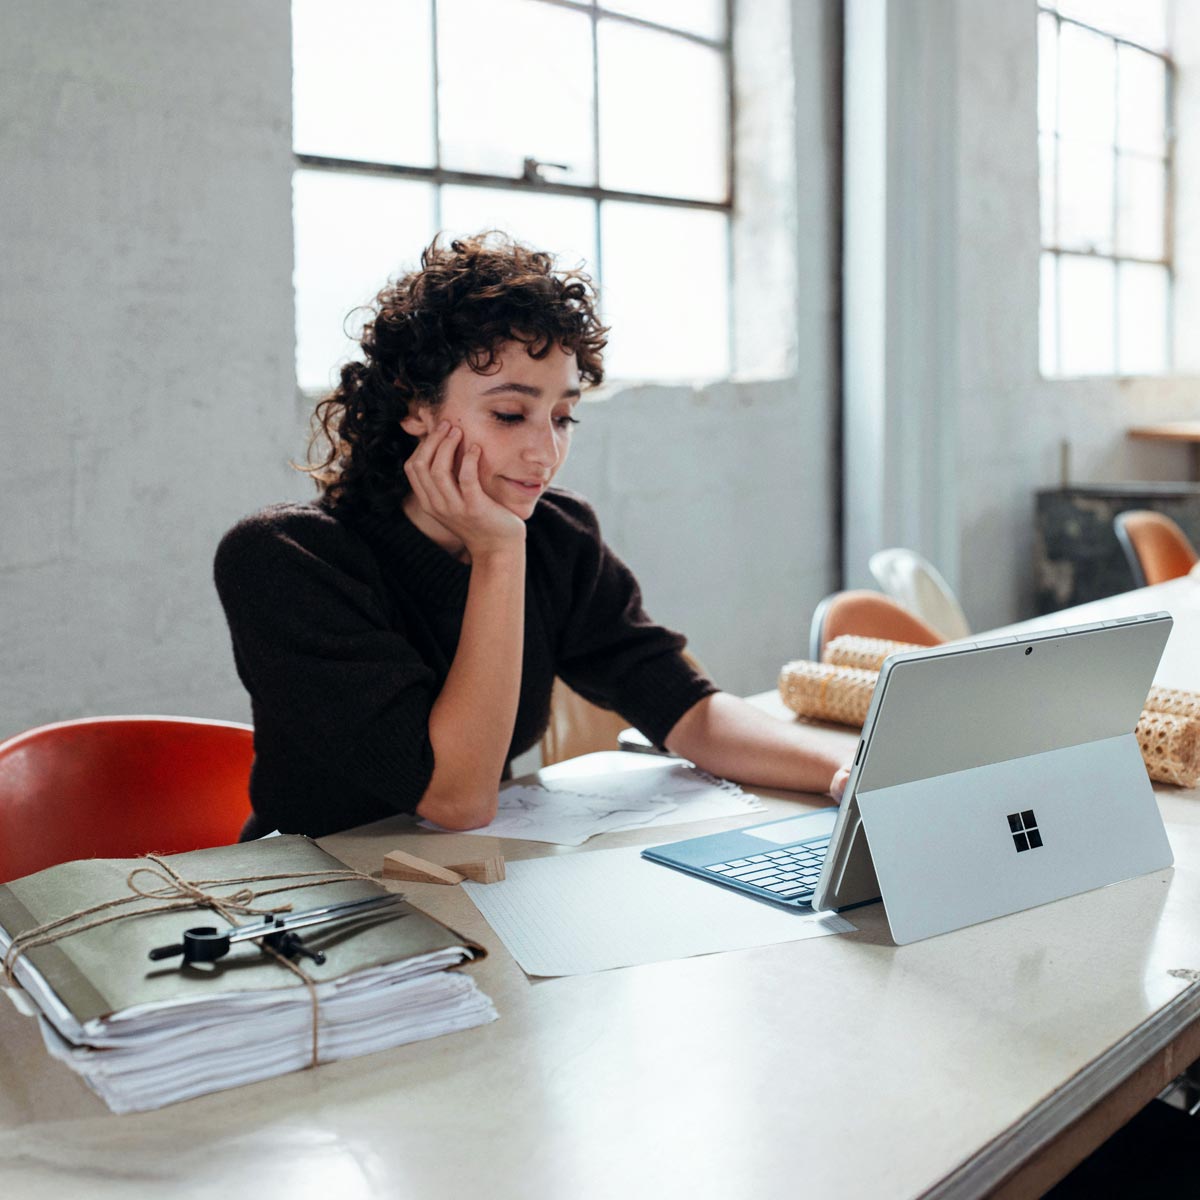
(174, 892)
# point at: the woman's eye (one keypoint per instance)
(565, 422)
(508, 418)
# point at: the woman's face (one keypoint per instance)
(519, 414)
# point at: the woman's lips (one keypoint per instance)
(528, 489)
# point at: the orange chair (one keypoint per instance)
(1155, 547)
(866, 614)
(116, 787)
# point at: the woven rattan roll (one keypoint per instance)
(1170, 748)
(827, 692)
(866, 654)
(1169, 700)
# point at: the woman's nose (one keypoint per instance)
(543, 446)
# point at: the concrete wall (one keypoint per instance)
(145, 341)
(722, 498)
(1010, 421)
(146, 345)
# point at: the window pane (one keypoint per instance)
(1141, 21)
(515, 82)
(1047, 149)
(664, 114)
(363, 97)
(1085, 197)
(1048, 313)
(1098, 13)
(1142, 101)
(1086, 81)
(703, 17)
(1141, 206)
(666, 292)
(352, 233)
(564, 226)
(1085, 320)
(1047, 73)
(1143, 295)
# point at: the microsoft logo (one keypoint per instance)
(1023, 826)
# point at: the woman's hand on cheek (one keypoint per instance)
(452, 494)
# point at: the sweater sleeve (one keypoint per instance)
(330, 677)
(611, 652)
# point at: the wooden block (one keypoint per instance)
(398, 865)
(482, 870)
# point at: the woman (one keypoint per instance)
(400, 636)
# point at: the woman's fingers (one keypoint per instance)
(468, 475)
(441, 468)
(430, 470)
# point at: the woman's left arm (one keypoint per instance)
(733, 739)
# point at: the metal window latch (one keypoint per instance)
(206, 943)
(531, 171)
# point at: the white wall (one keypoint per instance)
(146, 348)
(145, 341)
(721, 498)
(945, 402)
(1010, 421)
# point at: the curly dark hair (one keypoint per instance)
(465, 300)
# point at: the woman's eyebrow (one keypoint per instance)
(525, 389)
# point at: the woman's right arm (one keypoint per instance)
(471, 721)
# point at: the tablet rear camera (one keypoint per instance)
(1028, 649)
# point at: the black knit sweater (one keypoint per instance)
(344, 627)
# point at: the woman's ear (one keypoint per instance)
(419, 421)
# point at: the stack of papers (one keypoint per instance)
(143, 1034)
(612, 790)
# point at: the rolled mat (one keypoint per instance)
(1170, 747)
(1170, 700)
(866, 654)
(827, 692)
(1169, 741)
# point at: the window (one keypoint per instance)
(599, 131)
(1105, 85)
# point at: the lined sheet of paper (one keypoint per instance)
(579, 913)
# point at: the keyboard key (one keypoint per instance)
(780, 887)
(758, 858)
(758, 876)
(740, 862)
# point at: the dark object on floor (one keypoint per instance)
(1156, 1154)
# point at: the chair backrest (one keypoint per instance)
(116, 787)
(917, 584)
(866, 614)
(577, 726)
(1154, 545)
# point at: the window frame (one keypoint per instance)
(532, 183)
(1053, 247)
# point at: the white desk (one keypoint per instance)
(839, 1067)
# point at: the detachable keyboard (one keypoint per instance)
(789, 873)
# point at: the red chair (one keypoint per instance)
(866, 614)
(1154, 545)
(116, 787)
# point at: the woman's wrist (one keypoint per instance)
(500, 554)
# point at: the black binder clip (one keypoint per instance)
(207, 943)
